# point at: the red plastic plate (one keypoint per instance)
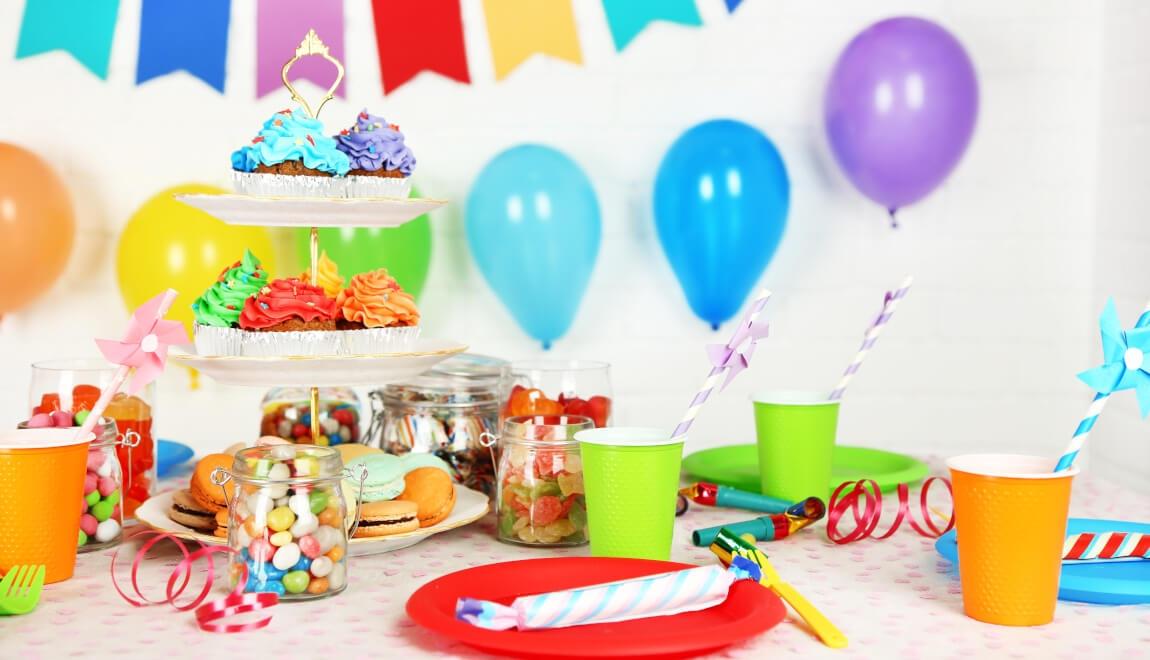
(749, 610)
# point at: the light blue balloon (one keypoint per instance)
(533, 227)
(721, 200)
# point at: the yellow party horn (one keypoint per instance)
(728, 545)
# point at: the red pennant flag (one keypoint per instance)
(419, 35)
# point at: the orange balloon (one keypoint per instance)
(36, 227)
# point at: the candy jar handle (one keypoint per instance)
(358, 500)
(219, 477)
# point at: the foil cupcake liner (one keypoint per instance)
(215, 341)
(287, 185)
(378, 186)
(377, 341)
(306, 343)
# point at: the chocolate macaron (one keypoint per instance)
(188, 511)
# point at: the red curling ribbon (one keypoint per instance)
(863, 498)
(208, 615)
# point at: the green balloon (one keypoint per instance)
(405, 251)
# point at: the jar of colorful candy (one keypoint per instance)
(73, 386)
(287, 414)
(445, 412)
(560, 387)
(540, 499)
(286, 520)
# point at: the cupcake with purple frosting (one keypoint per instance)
(381, 164)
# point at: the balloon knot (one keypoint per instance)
(547, 345)
(714, 327)
(893, 218)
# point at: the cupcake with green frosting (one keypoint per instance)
(217, 311)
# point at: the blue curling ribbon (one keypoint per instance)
(82, 29)
(184, 36)
(627, 18)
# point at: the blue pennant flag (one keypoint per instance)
(627, 18)
(188, 36)
(82, 29)
(732, 5)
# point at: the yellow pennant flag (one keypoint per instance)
(517, 29)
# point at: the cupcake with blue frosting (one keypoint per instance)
(291, 156)
(380, 161)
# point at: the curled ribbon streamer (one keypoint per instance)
(867, 517)
(235, 603)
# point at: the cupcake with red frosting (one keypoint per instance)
(290, 317)
(377, 315)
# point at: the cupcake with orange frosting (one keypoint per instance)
(377, 315)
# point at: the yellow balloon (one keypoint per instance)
(168, 244)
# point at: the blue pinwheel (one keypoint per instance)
(1125, 363)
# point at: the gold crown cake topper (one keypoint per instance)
(312, 45)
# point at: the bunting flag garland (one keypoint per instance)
(280, 24)
(732, 5)
(518, 29)
(82, 29)
(187, 36)
(627, 18)
(419, 35)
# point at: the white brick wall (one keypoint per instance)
(1009, 260)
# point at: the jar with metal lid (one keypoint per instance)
(541, 499)
(286, 520)
(287, 414)
(446, 411)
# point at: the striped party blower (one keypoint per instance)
(890, 303)
(730, 358)
(1124, 367)
(1106, 545)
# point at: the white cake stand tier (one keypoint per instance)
(312, 211)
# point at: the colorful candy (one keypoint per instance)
(531, 401)
(291, 419)
(541, 497)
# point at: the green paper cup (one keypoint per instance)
(796, 438)
(631, 476)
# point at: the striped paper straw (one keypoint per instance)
(1086, 425)
(871, 337)
(1106, 545)
(717, 372)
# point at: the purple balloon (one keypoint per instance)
(900, 109)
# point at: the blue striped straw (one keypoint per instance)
(871, 337)
(1086, 425)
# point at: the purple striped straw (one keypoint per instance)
(717, 372)
(872, 333)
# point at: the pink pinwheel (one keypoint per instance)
(143, 351)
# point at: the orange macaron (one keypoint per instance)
(207, 493)
(432, 491)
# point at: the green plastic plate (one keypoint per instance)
(738, 466)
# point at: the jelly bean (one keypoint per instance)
(278, 472)
(280, 539)
(252, 585)
(265, 571)
(300, 504)
(336, 553)
(95, 460)
(83, 540)
(309, 546)
(105, 470)
(102, 511)
(321, 566)
(88, 524)
(259, 502)
(302, 565)
(243, 539)
(283, 452)
(90, 482)
(305, 525)
(318, 586)
(253, 527)
(327, 536)
(286, 556)
(299, 431)
(92, 497)
(113, 498)
(338, 576)
(281, 501)
(280, 518)
(273, 586)
(40, 420)
(296, 582)
(330, 425)
(306, 466)
(107, 530)
(261, 550)
(106, 485)
(244, 554)
(80, 417)
(329, 517)
(317, 501)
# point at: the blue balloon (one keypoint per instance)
(533, 227)
(721, 200)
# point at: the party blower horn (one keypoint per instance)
(1124, 367)
(142, 352)
(890, 303)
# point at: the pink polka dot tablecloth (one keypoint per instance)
(891, 598)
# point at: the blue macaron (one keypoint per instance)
(384, 476)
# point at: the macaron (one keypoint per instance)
(384, 477)
(221, 520)
(349, 451)
(432, 491)
(416, 460)
(209, 495)
(387, 518)
(187, 511)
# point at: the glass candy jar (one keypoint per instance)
(540, 499)
(446, 412)
(559, 387)
(286, 520)
(287, 414)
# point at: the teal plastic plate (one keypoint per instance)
(738, 466)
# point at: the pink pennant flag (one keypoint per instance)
(281, 25)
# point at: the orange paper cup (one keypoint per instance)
(41, 485)
(1010, 512)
